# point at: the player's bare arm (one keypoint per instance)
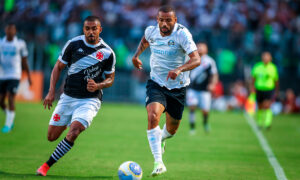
(191, 64)
(252, 86)
(144, 44)
(213, 81)
(26, 68)
(59, 66)
(92, 86)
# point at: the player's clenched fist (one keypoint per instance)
(92, 86)
(173, 74)
(137, 62)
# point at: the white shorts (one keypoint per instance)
(70, 109)
(202, 99)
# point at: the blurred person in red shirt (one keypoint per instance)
(290, 102)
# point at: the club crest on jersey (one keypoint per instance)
(151, 40)
(56, 117)
(171, 43)
(100, 56)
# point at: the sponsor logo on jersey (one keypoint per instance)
(100, 56)
(162, 52)
(9, 51)
(91, 72)
(158, 43)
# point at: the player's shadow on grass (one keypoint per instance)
(32, 176)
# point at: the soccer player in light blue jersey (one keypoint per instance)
(13, 57)
(173, 55)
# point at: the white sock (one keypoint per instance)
(165, 134)
(154, 138)
(10, 116)
(192, 117)
(7, 117)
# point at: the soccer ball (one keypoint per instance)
(130, 170)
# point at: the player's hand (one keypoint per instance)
(211, 87)
(49, 100)
(173, 74)
(137, 62)
(92, 86)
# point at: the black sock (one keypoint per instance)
(61, 149)
(192, 125)
(205, 119)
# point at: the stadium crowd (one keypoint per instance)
(287, 101)
(236, 31)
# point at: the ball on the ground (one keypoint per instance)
(130, 170)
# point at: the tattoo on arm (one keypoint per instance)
(142, 46)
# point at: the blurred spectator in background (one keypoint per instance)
(290, 102)
(238, 95)
(298, 103)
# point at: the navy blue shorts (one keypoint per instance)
(172, 100)
(9, 85)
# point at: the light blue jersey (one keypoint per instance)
(168, 53)
(11, 53)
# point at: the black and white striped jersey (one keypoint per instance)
(201, 75)
(86, 61)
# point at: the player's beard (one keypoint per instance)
(168, 31)
(10, 37)
(91, 39)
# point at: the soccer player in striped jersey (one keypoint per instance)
(13, 56)
(203, 81)
(173, 55)
(91, 68)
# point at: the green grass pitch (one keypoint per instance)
(118, 134)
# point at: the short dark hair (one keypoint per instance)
(92, 18)
(10, 23)
(166, 9)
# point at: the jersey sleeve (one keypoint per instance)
(23, 49)
(109, 66)
(66, 54)
(148, 32)
(253, 72)
(276, 76)
(213, 69)
(186, 41)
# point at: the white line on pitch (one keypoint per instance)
(267, 149)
